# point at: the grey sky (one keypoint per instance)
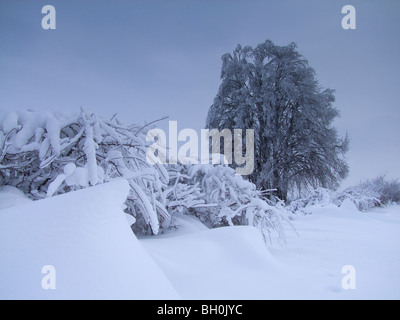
(147, 59)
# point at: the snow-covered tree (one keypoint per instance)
(49, 154)
(219, 197)
(273, 90)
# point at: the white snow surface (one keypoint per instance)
(86, 237)
(10, 197)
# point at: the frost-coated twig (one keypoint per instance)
(150, 123)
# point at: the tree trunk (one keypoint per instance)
(280, 186)
(281, 194)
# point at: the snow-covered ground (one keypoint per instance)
(331, 238)
(86, 237)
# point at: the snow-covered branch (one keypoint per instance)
(49, 154)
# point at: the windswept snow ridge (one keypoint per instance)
(86, 237)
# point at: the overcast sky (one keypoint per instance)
(146, 59)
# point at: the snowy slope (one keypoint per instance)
(332, 237)
(86, 237)
(224, 263)
(234, 263)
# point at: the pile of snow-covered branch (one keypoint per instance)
(365, 196)
(219, 197)
(49, 154)
(372, 193)
(320, 196)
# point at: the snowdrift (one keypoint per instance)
(86, 237)
(234, 262)
(223, 263)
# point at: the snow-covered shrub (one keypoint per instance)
(49, 154)
(319, 196)
(388, 190)
(183, 195)
(372, 193)
(219, 197)
(362, 198)
(366, 195)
